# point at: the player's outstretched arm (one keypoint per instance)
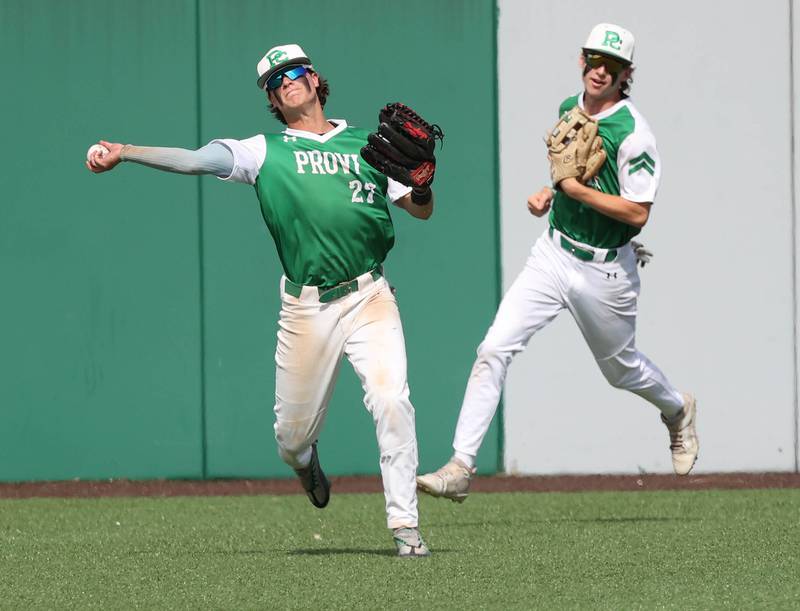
(213, 158)
(418, 211)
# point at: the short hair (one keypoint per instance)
(323, 89)
(625, 86)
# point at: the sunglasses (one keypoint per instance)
(276, 79)
(614, 66)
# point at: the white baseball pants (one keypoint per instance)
(602, 299)
(312, 338)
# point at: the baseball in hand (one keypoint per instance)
(96, 149)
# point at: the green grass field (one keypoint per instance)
(628, 550)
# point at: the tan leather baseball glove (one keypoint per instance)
(574, 147)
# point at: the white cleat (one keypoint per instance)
(409, 543)
(451, 481)
(683, 437)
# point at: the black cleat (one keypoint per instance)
(314, 482)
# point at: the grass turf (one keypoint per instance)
(627, 550)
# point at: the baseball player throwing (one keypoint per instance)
(585, 262)
(326, 209)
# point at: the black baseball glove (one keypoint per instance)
(402, 149)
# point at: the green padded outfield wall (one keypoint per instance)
(140, 308)
(100, 320)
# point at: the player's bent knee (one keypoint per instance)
(620, 376)
(389, 404)
(493, 353)
(493, 361)
(393, 416)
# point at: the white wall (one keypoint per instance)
(717, 307)
(795, 10)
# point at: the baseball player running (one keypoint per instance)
(585, 262)
(326, 209)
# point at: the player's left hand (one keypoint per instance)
(402, 149)
(574, 147)
(643, 255)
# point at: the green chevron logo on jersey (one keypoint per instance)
(642, 162)
(612, 40)
(276, 57)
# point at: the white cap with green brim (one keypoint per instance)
(278, 58)
(611, 40)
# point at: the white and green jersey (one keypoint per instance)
(325, 207)
(632, 170)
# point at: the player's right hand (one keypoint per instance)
(108, 161)
(539, 203)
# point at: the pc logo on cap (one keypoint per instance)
(278, 58)
(611, 40)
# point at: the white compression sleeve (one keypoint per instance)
(213, 158)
